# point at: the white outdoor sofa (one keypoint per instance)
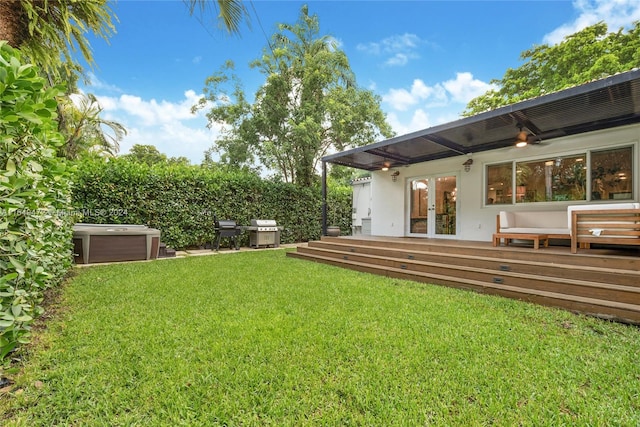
(536, 226)
(609, 223)
(551, 223)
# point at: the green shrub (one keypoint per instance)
(35, 230)
(182, 200)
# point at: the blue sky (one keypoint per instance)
(425, 59)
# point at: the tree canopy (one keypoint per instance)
(150, 155)
(587, 55)
(308, 105)
(50, 31)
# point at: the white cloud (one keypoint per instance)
(422, 106)
(399, 49)
(169, 126)
(459, 90)
(464, 88)
(99, 85)
(616, 13)
(418, 120)
(402, 99)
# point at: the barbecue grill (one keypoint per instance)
(263, 232)
(229, 229)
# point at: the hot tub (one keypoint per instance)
(94, 243)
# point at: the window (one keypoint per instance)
(609, 174)
(499, 183)
(552, 180)
(612, 174)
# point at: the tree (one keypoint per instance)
(148, 154)
(84, 129)
(50, 31)
(587, 55)
(230, 12)
(308, 105)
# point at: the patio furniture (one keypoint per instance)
(614, 224)
(550, 223)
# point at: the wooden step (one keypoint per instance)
(603, 308)
(552, 255)
(501, 265)
(602, 282)
(563, 285)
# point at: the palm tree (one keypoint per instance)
(50, 31)
(85, 131)
(230, 12)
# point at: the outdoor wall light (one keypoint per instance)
(394, 176)
(467, 165)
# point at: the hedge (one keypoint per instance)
(182, 200)
(35, 223)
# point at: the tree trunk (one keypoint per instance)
(14, 25)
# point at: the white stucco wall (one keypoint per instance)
(387, 204)
(475, 220)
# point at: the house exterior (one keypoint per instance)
(450, 181)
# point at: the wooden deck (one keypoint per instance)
(598, 282)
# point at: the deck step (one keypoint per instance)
(513, 252)
(568, 271)
(578, 287)
(593, 288)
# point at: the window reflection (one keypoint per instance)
(563, 178)
(499, 183)
(612, 174)
(559, 179)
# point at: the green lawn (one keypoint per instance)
(255, 338)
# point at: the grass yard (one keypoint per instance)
(255, 338)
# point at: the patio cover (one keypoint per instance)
(610, 102)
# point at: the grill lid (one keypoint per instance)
(263, 223)
(225, 223)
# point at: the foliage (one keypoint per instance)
(147, 154)
(35, 232)
(587, 55)
(308, 105)
(84, 128)
(150, 155)
(181, 200)
(279, 341)
(229, 12)
(49, 32)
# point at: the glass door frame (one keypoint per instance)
(431, 220)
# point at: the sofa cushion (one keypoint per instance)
(536, 222)
(539, 219)
(507, 219)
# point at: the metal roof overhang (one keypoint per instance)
(601, 104)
